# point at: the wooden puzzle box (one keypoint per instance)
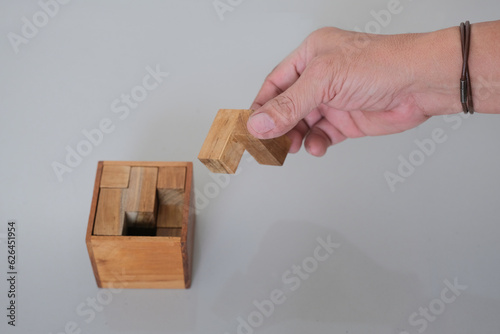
(141, 225)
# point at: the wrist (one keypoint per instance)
(438, 67)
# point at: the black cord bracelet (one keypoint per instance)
(465, 86)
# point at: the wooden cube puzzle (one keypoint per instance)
(228, 139)
(141, 225)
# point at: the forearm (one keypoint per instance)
(438, 66)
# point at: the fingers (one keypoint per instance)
(279, 115)
(322, 135)
(297, 135)
(317, 142)
(281, 77)
(317, 137)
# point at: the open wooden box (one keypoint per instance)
(141, 225)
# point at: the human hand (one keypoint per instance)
(340, 84)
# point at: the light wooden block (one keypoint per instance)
(124, 260)
(141, 202)
(228, 138)
(110, 214)
(169, 216)
(265, 151)
(220, 152)
(171, 183)
(115, 177)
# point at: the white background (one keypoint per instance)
(397, 249)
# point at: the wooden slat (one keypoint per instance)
(141, 200)
(109, 219)
(115, 177)
(145, 163)
(139, 262)
(90, 225)
(188, 226)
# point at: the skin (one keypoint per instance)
(339, 84)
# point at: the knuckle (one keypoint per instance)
(327, 73)
(287, 108)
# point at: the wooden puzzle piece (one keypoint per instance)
(110, 215)
(169, 216)
(140, 200)
(115, 177)
(171, 187)
(228, 138)
(171, 183)
(141, 203)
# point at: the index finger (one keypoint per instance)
(280, 78)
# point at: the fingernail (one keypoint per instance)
(261, 123)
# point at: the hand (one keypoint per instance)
(341, 84)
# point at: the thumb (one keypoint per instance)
(282, 113)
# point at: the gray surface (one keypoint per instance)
(397, 249)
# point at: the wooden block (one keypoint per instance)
(115, 176)
(168, 232)
(171, 177)
(171, 183)
(141, 202)
(169, 216)
(161, 260)
(265, 151)
(220, 153)
(110, 215)
(142, 189)
(228, 138)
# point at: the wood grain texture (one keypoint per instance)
(139, 262)
(171, 183)
(169, 232)
(220, 153)
(228, 138)
(110, 218)
(141, 201)
(169, 216)
(265, 151)
(161, 261)
(115, 176)
(172, 177)
(188, 226)
(90, 225)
